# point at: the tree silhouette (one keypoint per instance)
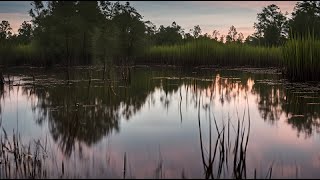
(196, 31)
(305, 18)
(5, 30)
(232, 35)
(272, 26)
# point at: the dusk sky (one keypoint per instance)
(210, 15)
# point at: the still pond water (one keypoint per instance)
(153, 120)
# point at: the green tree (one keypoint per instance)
(222, 39)
(25, 33)
(254, 40)
(53, 29)
(215, 34)
(89, 16)
(63, 29)
(240, 38)
(131, 30)
(5, 30)
(105, 45)
(196, 31)
(188, 36)
(151, 30)
(305, 17)
(272, 25)
(169, 35)
(232, 35)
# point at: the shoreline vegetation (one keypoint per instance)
(107, 34)
(206, 52)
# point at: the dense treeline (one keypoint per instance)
(76, 32)
(89, 32)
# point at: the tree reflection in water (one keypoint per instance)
(86, 111)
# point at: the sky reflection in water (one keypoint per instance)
(153, 119)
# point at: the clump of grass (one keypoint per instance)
(226, 156)
(226, 153)
(17, 160)
(210, 52)
(302, 58)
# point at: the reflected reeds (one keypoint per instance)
(90, 108)
(225, 152)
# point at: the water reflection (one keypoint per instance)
(300, 105)
(86, 111)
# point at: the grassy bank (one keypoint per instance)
(299, 57)
(12, 55)
(302, 58)
(209, 52)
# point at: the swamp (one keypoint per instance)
(94, 90)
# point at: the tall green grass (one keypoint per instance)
(209, 52)
(302, 58)
(299, 56)
(21, 54)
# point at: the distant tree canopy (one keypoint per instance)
(196, 31)
(25, 33)
(215, 34)
(8, 38)
(232, 35)
(5, 30)
(68, 29)
(168, 35)
(271, 28)
(274, 28)
(305, 18)
(84, 32)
